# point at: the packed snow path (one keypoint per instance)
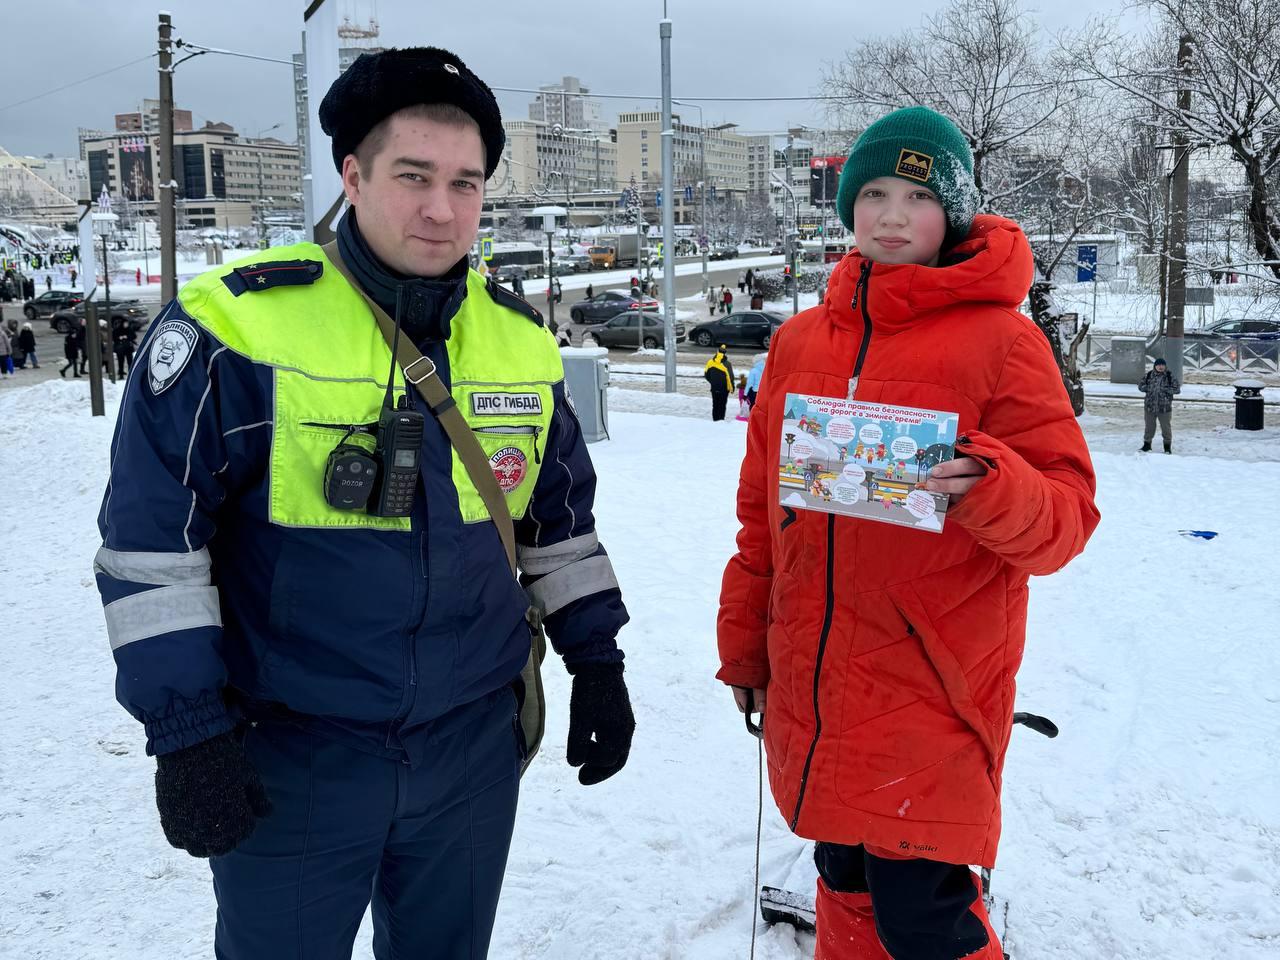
(1149, 829)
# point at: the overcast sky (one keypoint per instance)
(720, 48)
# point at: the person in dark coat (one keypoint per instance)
(71, 350)
(1159, 385)
(719, 375)
(27, 343)
(123, 341)
(82, 346)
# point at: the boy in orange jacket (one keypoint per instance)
(886, 656)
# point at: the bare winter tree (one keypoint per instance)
(1234, 80)
(978, 62)
(1038, 139)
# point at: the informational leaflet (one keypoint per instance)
(864, 460)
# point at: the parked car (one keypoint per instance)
(624, 331)
(753, 329)
(723, 252)
(47, 304)
(606, 305)
(1239, 330)
(123, 311)
(777, 249)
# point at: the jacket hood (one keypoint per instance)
(991, 266)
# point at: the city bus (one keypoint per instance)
(531, 257)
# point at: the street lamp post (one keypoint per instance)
(702, 186)
(261, 200)
(549, 215)
(792, 237)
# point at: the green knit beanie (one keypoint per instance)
(921, 146)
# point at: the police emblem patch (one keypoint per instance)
(171, 350)
(509, 466)
(914, 165)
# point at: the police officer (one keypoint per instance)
(332, 695)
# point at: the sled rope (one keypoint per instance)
(755, 887)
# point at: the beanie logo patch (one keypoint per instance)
(914, 165)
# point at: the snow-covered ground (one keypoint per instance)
(1149, 829)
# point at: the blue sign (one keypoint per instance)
(1086, 262)
(688, 194)
(659, 198)
(486, 248)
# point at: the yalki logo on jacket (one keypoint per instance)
(914, 165)
(171, 350)
(509, 466)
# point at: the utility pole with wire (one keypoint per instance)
(166, 186)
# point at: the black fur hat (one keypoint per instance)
(379, 84)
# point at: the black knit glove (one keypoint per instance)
(599, 707)
(209, 796)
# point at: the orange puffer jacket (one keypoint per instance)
(889, 654)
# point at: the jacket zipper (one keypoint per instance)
(817, 667)
(859, 300)
(515, 432)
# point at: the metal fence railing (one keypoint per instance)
(1210, 354)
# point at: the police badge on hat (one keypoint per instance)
(171, 350)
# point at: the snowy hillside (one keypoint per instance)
(1149, 829)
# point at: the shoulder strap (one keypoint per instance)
(421, 372)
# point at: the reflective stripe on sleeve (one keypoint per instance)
(163, 610)
(572, 582)
(539, 561)
(161, 569)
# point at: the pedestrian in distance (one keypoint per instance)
(331, 640)
(726, 300)
(750, 280)
(71, 350)
(744, 408)
(886, 677)
(137, 276)
(123, 340)
(713, 298)
(754, 376)
(590, 291)
(517, 285)
(48, 281)
(6, 353)
(742, 281)
(1158, 386)
(719, 376)
(27, 341)
(73, 276)
(82, 344)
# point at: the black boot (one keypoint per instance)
(1168, 446)
(1146, 446)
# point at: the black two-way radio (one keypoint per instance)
(383, 482)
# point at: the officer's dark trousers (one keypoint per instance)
(719, 399)
(428, 845)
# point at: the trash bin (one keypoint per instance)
(586, 377)
(1248, 404)
(1128, 359)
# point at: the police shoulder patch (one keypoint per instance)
(170, 352)
(504, 297)
(282, 273)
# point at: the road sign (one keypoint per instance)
(688, 193)
(486, 248)
(659, 200)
